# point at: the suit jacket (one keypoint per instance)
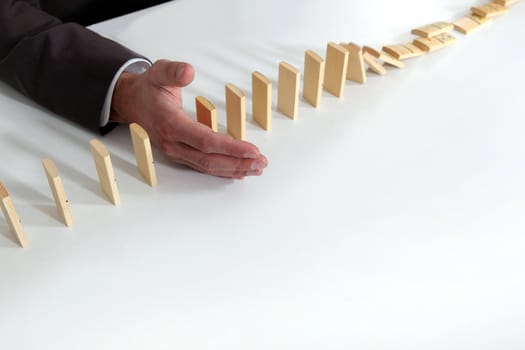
(48, 55)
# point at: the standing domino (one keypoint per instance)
(336, 68)
(236, 112)
(262, 100)
(206, 112)
(105, 172)
(314, 67)
(143, 154)
(11, 216)
(288, 90)
(57, 188)
(356, 64)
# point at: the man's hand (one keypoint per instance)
(154, 101)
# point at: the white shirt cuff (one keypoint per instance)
(134, 65)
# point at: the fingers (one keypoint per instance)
(201, 137)
(216, 164)
(171, 73)
(238, 175)
(206, 140)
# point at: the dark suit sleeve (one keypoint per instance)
(62, 66)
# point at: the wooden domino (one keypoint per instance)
(384, 57)
(435, 43)
(373, 65)
(288, 90)
(206, 112)
(105, 172)
(335, 69)
(236, 112)
(433, 29)
(11, 216)
(262, 100)
(314, 67)
(489, 10)
(57, 189)
(403, 51)
(505, 2)
(356, 64)
(143, 154)
(470, 24)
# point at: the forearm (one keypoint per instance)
(64, 67)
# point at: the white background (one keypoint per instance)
(389, 219)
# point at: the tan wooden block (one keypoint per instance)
(471, 23)
(143, 154)
(356, 65)
(236, 112)
(403, 51)
(105, 172)
(262, 100)
(435, 43)
(57, 189)
(314, 67)
(206, 112)
(433, 29)
(489, 10)
(11, 216)
(336, 69)
(288, 90)
(373, 65)
(384, 57)
(505, 2)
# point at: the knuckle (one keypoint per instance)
(156, 67)
(177, 158)
(170, 130)
(205, 164)
(165, 131)
(159, 62)
(205, 145)
(241, 166)
(165, 147)
(177, 129)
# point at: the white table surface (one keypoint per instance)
(389, 219)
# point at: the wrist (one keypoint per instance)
(121, 99)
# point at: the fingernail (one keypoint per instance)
(180, 71)
(257, 165)
(254, 173)
(250, 155)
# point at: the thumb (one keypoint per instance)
(171, 73)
